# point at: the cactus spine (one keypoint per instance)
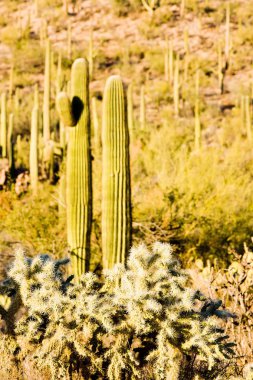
(3, 125)
(116, 208)
(46, 102)
(79, 177)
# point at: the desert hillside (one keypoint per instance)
(126, 122)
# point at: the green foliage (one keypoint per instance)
(140, 322)
(31, 222)
(124, 6)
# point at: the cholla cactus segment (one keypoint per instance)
(140, 316)
(116, 207)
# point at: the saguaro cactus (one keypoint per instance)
(130, 108)
(76, 113)
(116, 197)
(10, 144)
(176, 86)
(46, 101)
(34, 150)
(96, 128)
(3, 136)
(142, 108)
(197, 117)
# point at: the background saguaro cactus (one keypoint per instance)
(79, 178)
(46, 102)
(10, 143)
(3, 136)
(34, 150)
(116, 207)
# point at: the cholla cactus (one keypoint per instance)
(142, 318)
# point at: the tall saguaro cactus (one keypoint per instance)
(10, 144)
(75, 113)
(46, 101)
(116, 197)
(34, 150)
(197, 116)
(3, 135)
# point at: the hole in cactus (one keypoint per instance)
(77, 107)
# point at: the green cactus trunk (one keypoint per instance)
(176, 86)
(59, 75)
(130, 108)
(96, 129)
(142, 108)
(62, 197)
(11, 81)
(69, 41)
(116, 197)
(46, 102)
(79, 175)
(34, 151)
(3, 137)
(248, 118)
(91, 54)
(10, 145)
(197, 115)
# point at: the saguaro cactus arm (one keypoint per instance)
(64, 108)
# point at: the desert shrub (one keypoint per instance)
(124, 6)
(189, 197)
(31, 222)
(141, 321)
(234, 286)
